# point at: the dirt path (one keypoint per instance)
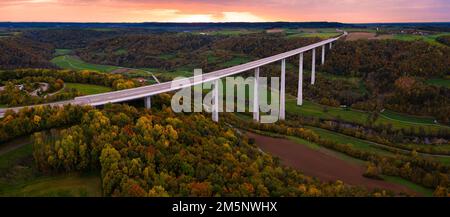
(321, 165)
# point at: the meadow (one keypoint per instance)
(440, 82)
(427, 38)
(88, 89)
(74, 63)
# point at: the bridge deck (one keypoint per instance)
(141, 92)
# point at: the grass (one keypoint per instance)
(11, 158)
(322, 35)
(427, 38)
(316, 110)
(88, 89)
(167, 56)
(407, 118)
(235, 61)
(174, 74)
(397, 120)
(69, 185)
(3, 106)
(62, 52)
(121, 51)
(19, 178)
(440, 82)
(229, 32)
(356, 143)
(411, 185)
(74, 63)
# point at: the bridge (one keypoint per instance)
(145, 92)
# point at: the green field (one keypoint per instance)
(397, 120)
(21, 179)
(74, 63)
(61, 52)
(427, 38)
(11, 158)
(230, 32)
(88, 89)
(440, 82)
(322, 35)
(394, 179)
(235, 61)
(72, 185)
(356, 143)
(316, 110)
(407, 118)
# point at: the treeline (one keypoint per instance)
(382, 134)
(426, 172)
(417, 58)
(394, 72)
(115, 81)
(69, 38)
(163, 154)
(174, 51)
(18, 52)
(444, 39)
(415, 97)
(33, 119)
(33, 83)
(163, 51)
(12, 96)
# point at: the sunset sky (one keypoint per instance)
(350, 11)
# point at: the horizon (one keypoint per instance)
(166, 22)
(211, 11)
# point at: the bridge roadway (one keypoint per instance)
(145, 91)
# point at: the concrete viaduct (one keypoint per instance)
(146, 92)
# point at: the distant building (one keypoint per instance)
(141, 80)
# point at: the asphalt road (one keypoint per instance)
(141, 92)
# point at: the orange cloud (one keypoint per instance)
(224, 11)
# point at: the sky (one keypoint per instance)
(348, 11)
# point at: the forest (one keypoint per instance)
(143, 153)
(394, 73)
(420, 170)
(18, 52)
(12, 95)
(155, 152)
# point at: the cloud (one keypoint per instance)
(225, 10)
(174, 15)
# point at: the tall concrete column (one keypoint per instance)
(215, 106)
(323, 54)
(256, 96)
(148, 102)
(300, 81)
(313, 67)
(283, 91)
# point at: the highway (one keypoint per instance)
(145, 91)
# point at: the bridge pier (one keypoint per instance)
(256, 96)
(283, 89)
(300, 81)
(313, 67)
(148, 102)
(215, 106)
(331, 45)
(323, 54)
